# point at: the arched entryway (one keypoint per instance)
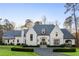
(43, 43)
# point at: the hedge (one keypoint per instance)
(22, 49)
(30, 46)
(64, 50)
(59, 46)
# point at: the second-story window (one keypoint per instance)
(43, 31)
(56, 34)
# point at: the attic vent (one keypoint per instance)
(43, 31)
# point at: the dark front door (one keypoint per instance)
(43, 43)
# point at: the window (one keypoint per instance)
(43, 39)
(25, 41)
(31, 37)
(43, 31)
(56, 41)
(56, 34)
(68, 42)
(8, 41)
(17, 41)
(13, 40)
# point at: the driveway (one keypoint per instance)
(47, 52)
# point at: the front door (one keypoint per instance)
(43, 43)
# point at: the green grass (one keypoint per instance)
(6, 51)
(73, 53)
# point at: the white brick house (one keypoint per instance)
(44, 34)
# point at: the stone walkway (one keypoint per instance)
(47, 52)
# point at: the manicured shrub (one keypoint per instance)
(11, 44)
(2, 44)
(64, 50)
(18, 44)
(22, 49)
(30, 46)
(73, 45)
(63, 45)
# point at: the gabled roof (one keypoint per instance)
(38, 29)
(48, 29)
(67, 34)
(13, 33)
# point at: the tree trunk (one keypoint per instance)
(76, 39)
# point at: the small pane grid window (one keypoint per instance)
(8, 41)
(31, 37)
(56, 41)
(13, 40)
(17, 41)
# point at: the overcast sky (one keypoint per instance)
(20, 12)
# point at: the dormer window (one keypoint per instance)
(43, 31)
(56, 34)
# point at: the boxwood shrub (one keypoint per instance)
(31, 46)
(22, 49)
(63, 45)
(64, 50)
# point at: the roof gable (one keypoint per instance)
(48, 29)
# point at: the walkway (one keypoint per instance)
(47, 52)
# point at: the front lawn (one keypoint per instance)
(73, 53)
(6, 51)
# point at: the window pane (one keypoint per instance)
(17, 40)
(31, 37)
(56, 41)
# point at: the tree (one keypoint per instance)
(1, 31)
(73, 7)
(28, 24)
(78, 23)
(38, 23)
(68, 23)
(8, 25)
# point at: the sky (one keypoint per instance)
(19, 12)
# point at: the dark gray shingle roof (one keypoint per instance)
(38, 29)
(67, 34)
(48, 29)
(14, 33)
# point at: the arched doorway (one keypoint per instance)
(43, 43)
